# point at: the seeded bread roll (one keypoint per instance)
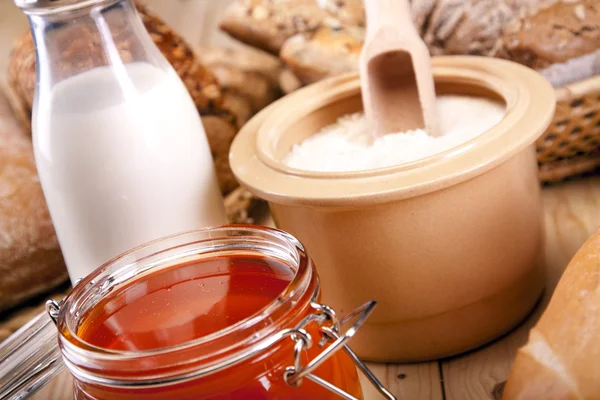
(267, 24)
(30, 258)
(324, 52)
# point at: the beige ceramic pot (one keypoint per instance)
(450, 246)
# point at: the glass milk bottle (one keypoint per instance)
(119, 146)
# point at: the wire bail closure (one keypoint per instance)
(331, 332)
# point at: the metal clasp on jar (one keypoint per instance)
(330, 328)
(331, 333)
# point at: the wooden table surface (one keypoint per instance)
(572, 214)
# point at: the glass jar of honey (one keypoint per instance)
(224, 313)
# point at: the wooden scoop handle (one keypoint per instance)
(397, 81)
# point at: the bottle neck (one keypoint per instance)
(72, 40)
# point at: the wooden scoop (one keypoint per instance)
(395, 67)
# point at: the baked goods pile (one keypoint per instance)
(316, 39)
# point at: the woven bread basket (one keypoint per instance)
(571, 145)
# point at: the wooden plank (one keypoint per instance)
(406, 382)
(572, 214)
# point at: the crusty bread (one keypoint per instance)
(288, 81)
(252, 85)
(323, 53)
(560, 40)
(220, 135)
(242, 207)
(30, 257)
(553, 34)
(249, 74)
(560, 360)
(22, 79)
(267, 24)
(467, 26)
(239, 105)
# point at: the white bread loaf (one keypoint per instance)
(561, 360)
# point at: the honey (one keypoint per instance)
(197, 323)
(184, 303)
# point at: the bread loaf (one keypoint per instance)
(248, 75)
(562, 40)
(324, 52)
(245, 58)
(30, 257)
(253, 86)
(560, 360)
(467, 26)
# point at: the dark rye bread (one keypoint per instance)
(554, 34)
(467, 26)
(562, 41)
(267, 24)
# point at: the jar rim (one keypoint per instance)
(83, 358)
